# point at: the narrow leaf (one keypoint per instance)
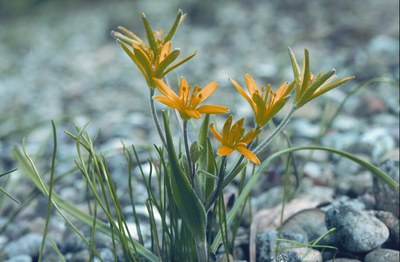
(149, 34)
(190, 207)
(178, 20)
(171, 57)
(179, 63)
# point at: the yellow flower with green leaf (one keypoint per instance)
(308, 86)
(188, 101)
(156, 58)
(265, 102)
(233, 138)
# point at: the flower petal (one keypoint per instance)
(227, 127)
(243, 93)
(184, 90)
(212, 109)
(167, 101)
(192, 113)
(249, 155)
(251, 84)
(250, 136)
(215, 133)
(165, 90)
(207, 91)
(224, 150)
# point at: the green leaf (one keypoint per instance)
(306, 74)
(308, 94)
(178, 20)
(212, 169)
(149, 34)
(190, 207)
(203, 141)
(59, 203)
(143, 61)
(171, 57)
(136, 61)
(296, 71)
(179, 63)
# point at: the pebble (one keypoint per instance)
(26, 245)
(20, 258)
(309, 223)
(355, 231)
(343, 260)
(387, 199)
(382, 255)
(302, 254)
(266, 243)
(392, 223)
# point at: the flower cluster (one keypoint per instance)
(194, 194)
(156, 59)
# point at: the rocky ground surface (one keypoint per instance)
(59, 62)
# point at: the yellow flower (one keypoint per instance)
(187, 103)
(267, 103)
(233, 138)
(155, 58)
(309, 87)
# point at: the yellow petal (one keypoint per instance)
(243, 93)
(224, 150)
(215, 133)
(250, 136)
(184, 90)
(192, 113)
(167, 101)
(166, 49)
(165, 90)
(207, 91)
(227, 127)
(212, 109)
(249, 155)
(251, 85)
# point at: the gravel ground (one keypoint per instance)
(58, 61)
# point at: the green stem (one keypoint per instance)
(155, 118)
(219, 187)
(202, 251)
(278, 129)
(186, 142)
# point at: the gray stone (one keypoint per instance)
(309, 223)
(302, 254)
(343, 260)
(382, 255)
(356, 231)
(392, 223)
(27, 245)
(106, 255)
(267, 244)
(387, 199)
(20, 258)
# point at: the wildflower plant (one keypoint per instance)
(191, 178)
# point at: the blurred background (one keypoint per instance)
(59, 62)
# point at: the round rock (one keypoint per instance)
(382, 255)
(302, 254)
(356, 231)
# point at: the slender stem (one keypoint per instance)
(202, 251)
(219, 187)
(278, 129)
(186, 142)
(155, 117)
